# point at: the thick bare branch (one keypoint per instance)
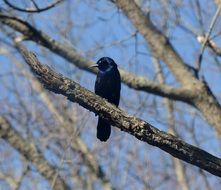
(135, 126)
(30, 152)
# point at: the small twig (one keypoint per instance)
(207, 36)
(35, 4)
(31, 10)
(210, 43)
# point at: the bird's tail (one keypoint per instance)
(103, 129)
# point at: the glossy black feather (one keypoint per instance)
(108, 85)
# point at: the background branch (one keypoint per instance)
(30, 152)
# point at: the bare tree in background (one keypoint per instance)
(169, 58)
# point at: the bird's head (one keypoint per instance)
(105, 64)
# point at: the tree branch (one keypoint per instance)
(140, 129)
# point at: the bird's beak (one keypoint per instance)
(92, 66)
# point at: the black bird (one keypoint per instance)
(107, 85)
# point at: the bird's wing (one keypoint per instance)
(108, 87)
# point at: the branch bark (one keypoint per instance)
(140, 129)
